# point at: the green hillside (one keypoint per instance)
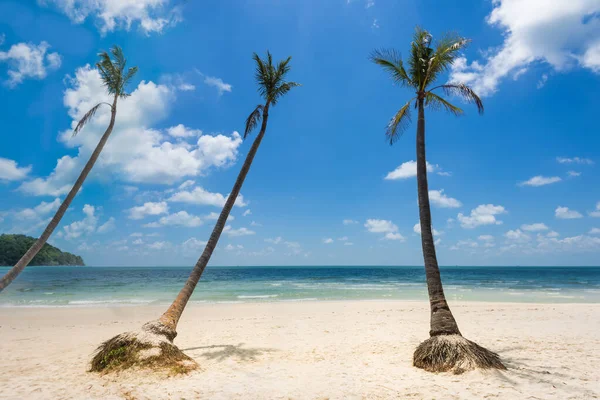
(12, 248)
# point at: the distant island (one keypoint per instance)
(12, 248)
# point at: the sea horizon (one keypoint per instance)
(64, 286)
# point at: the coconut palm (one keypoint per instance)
(115, 78)
(446, 349)
(125, 350)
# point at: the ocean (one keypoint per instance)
(112, 286)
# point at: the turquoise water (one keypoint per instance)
(89, 286)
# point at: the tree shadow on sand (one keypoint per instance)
(226, 351)
(522, 368)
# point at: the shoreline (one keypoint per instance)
(306, 350)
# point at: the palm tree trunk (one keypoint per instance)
(37, 246)
(171, 317)
(442, 320)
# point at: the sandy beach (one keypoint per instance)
(306, 350)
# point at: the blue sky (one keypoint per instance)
(516, 186)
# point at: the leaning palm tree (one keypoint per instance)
(446, 349)
(115, 78)
(153, 345)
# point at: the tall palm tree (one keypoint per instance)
(271, 86)
(115, 78)
(446, 349)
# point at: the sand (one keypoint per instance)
(310, 350)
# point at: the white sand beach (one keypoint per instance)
(309, 350)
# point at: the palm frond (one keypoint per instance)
(128, 76)
(447, 51)
(261, 75)
(119, 58)
(398, 124)
(436, 102)
(465, 92)
(86, 118)
(282, 90)
(420, 54)
(391, 61)
(253, 119)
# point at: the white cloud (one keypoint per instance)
(193, 244)
(328, 240)
(149, 208)
(213, 216)
(135, 152)
(349, 222)
(218, 83)
(181, 218)
(517, 236)
(596, 213)
(181, 131)
(542, 82)
(573, 174)
(27, 60)
(2, 39)
(199, 196)
(158, 245)
(85, 226)
(438, 198)
(348, 244)
(380, 226)
(246, 213)
(484, 214)
(10, 171)
(486, 238)
(552, 234)
(38, 211)
(537, 227)
(138, 242)
(108, 226)
(231, 247)
(560, 33)
(574, 160)
(408, 170)
(276, 240)
(151, 16)
(343, 238)
(594, 231)
(186, 184)
(565, 213)
(417, 230)
(540, 181)
(237, 232)
(394, 236)
(254, 223)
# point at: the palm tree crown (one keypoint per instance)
(115, 80)
(425, 65)
(271, 86)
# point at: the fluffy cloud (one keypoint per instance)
(408, 170)
(276, 240)
(574, 160)
(573, 174)
(560, 33)
(109, 15)
(199, 196)
(438, 198)
(565, 213)
(10, 171)
(108, 226)
(27, 60)
(181, 218)
(417, 230)
(384, 226)
(537, 227)
(149, 208)
(38, 211)
(540, 181)
(484, 214)
(218, 84)
(246, 213)
(85, 226)
(193, 244)
(596, 213)
(135, 152)
(328, 240)
(237, 232)
(517, 235)
(181, 131)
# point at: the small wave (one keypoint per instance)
(262, 296)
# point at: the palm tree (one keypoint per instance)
(446, 349)
(115, 78)
(160, 333)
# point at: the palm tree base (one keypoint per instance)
(454, 353)
(150, 348)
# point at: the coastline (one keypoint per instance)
(310, 349)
